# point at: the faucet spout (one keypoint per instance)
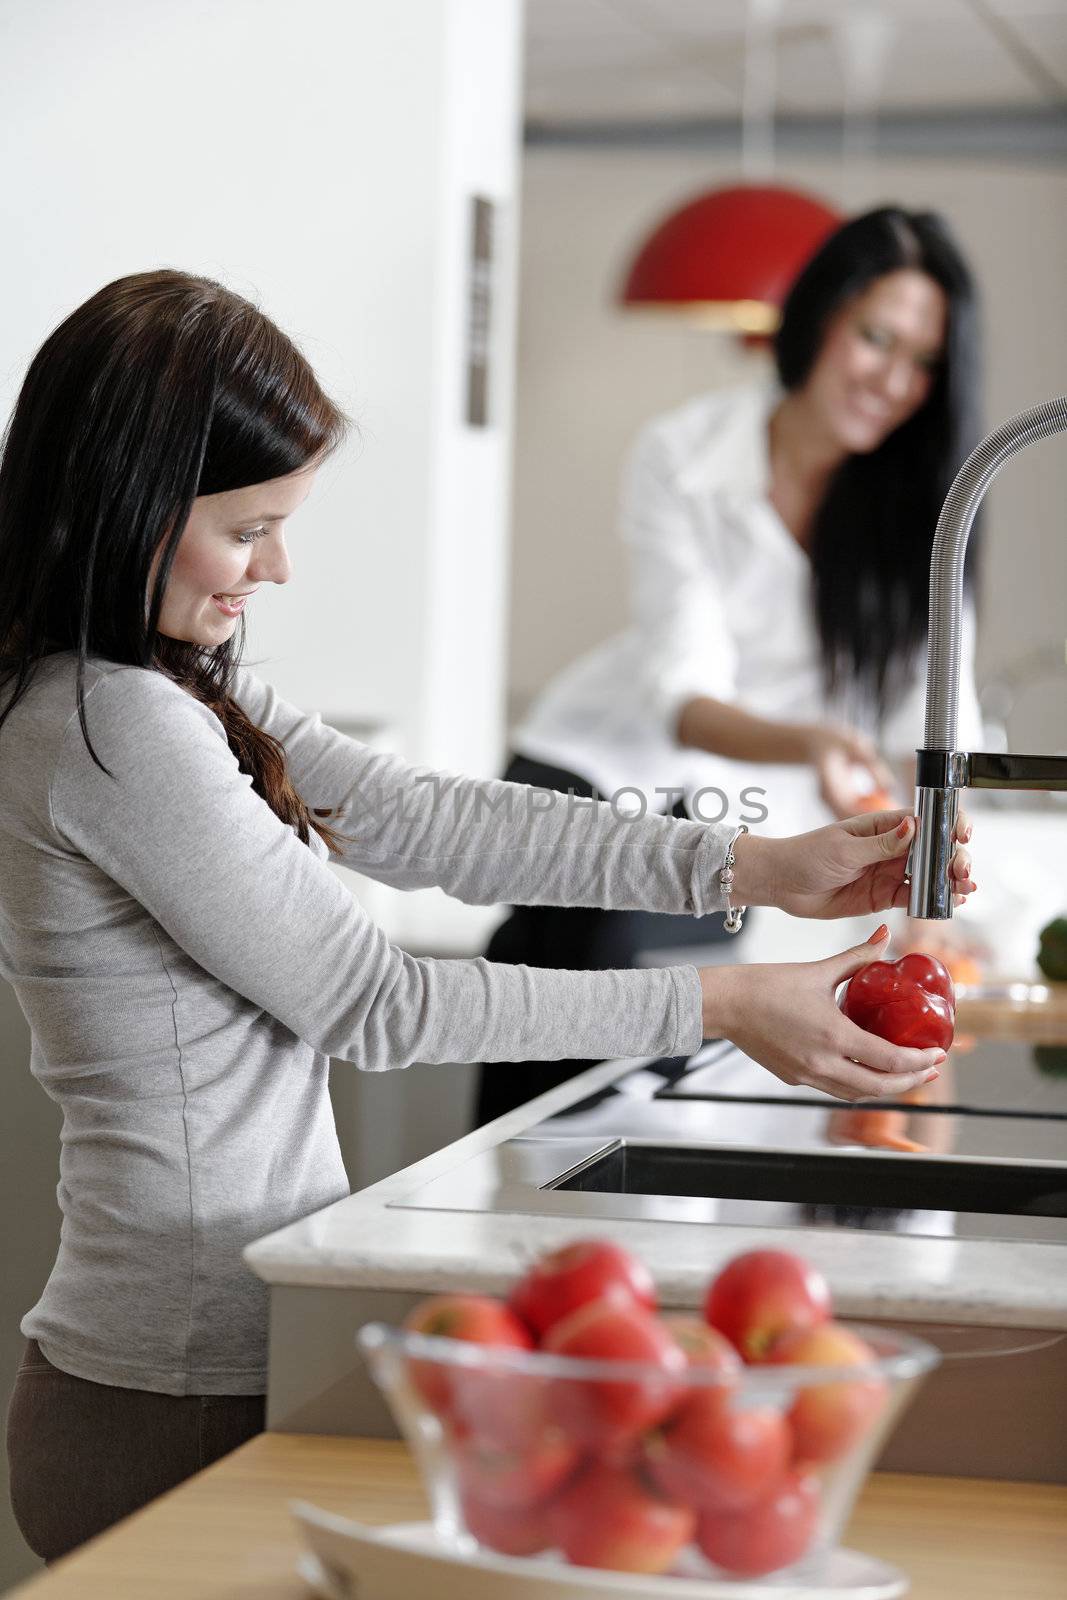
(943, 770)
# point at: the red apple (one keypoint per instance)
(767, 1536)
(606, 1518)
(506, 1408)
(763, 1294)
(829, 1418)
(627, 1454)
(512, 1478)
(603, 1411)
(704, 1347)
(715, 1457)
(588, 1269)
(514, 1531)
(473, 1317)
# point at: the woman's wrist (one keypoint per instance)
(753, 871)
(811, 738)
(717, 985)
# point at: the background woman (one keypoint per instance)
(185, 958)
(778, 538)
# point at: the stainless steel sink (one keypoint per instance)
(716, 1139)
(830, 1178)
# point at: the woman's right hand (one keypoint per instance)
(786, 1018)
(835, 752)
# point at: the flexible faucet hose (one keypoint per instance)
(950, 548)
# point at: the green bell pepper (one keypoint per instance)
(1052, 951)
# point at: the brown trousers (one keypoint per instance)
(84, 1455)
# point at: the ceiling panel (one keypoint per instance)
(619, 59)
(928, 63)
(729, 16)
(1019, 10)
(1048, 37)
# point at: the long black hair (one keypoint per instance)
(159, 388)
(873, 532)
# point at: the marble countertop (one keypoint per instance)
(360, 1242)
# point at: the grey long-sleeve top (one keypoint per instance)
(188, 967)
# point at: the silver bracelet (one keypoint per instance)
(732, 924)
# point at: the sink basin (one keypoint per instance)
(597, 1178)
(823, 1178)
(719, 1140)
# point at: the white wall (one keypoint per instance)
(321, 158)
(589, 375)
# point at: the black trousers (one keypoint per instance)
(85, 1455)
(579, 938)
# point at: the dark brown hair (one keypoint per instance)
(874, 530)
(160, 388)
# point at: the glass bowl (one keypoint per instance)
(625, 1467)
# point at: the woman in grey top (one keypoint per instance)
(185, 959)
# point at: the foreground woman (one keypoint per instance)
(185, 958)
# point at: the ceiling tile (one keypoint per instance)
(639, 58)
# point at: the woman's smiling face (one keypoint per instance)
(879, 359)
(232, 543)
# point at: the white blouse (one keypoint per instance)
(721, 605)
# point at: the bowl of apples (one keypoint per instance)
(575, 1425)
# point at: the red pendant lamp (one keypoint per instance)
(726, 259)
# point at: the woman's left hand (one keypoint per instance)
(848, 869)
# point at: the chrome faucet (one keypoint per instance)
(941, 770)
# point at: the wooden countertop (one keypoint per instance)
(227, 1533)
(1042, 1022)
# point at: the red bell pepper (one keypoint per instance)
(911, 1001)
